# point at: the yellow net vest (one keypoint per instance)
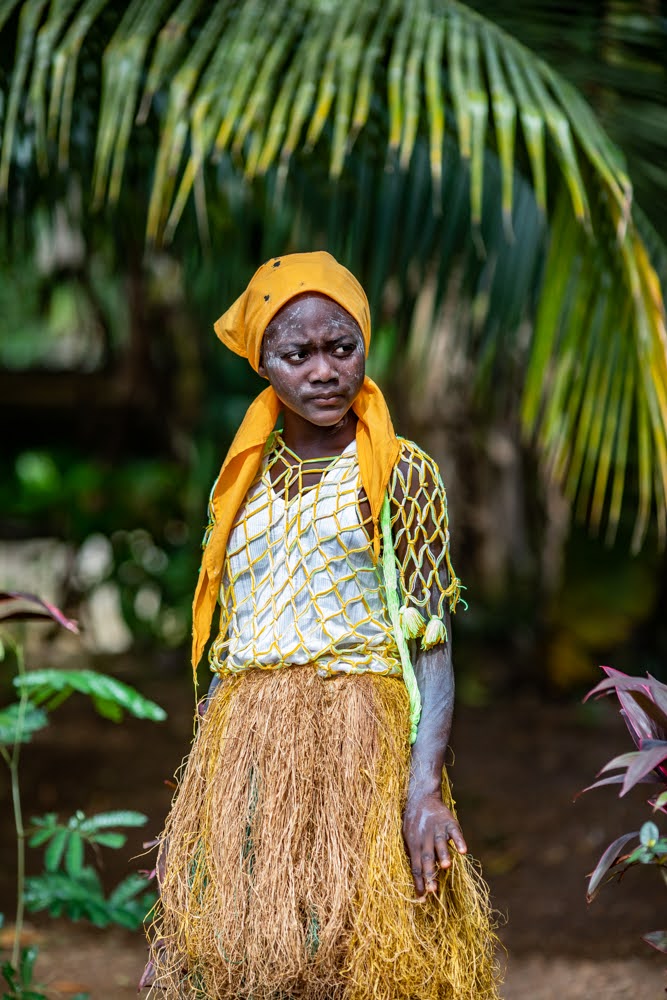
(300, 583)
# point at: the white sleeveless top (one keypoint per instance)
(299, 583)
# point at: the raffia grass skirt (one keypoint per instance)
(285, 872)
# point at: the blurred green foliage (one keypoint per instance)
(139, 507)
(125, 468)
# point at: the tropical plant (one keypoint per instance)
(70, 888)
(644, 708)
(264, 89)
(67, 886)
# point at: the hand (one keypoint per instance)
(428, 826)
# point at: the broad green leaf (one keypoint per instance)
(19, 724)
(266, 154)
(9, 973)
(303, 97)
(559, 129)
(48, 821)
(504, 118)
(74, 854)
(641, 856)
(622, 446)
(31, 13)
(109, 839)
(384, 27)
(244, 77)
(457, 85)
(27, 964)
(122, 68)
(435, 101)
(558, 282)
(395, 76)
(54, 852)
(42, 685)
(175, 130)
(345, 92)
(275, 47)
(107, 709)
(478, 109)
(532, 124)
(169, 45)
(119, 817)
(606, 157)
(40, 837)
(65, 63)
(411, 89)
(46, 40)
(612, 432)
(649, 834)
(127, 890)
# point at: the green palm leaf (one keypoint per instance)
(267, 79)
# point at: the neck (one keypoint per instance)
(312, 441)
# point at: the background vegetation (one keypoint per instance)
(512, 244)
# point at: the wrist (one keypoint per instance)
(425, 776)
(423, 789)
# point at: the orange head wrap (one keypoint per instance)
(241, 328)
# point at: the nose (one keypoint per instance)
(322, 369)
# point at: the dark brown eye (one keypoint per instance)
(297, 355)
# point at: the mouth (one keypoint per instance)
(326, 397)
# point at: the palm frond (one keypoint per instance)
(269, 79)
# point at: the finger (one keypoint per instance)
(429, 871)
(441, 849)
(418, 882)
(456, 837)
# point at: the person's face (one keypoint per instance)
(313, 356)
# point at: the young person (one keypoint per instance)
(312, 850)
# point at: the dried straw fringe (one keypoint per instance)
(286, 873)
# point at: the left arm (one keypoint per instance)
(430, 589)
(428, 824)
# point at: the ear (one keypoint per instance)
(261, 370)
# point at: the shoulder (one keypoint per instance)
(415, 471)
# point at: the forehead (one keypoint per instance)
(308, 314)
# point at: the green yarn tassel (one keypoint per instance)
(435, 632)
(393, 605)
(412, 622)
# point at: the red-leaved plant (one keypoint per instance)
(644, 708)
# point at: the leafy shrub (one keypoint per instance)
(67, 885)
(644, 708)
(69, 888)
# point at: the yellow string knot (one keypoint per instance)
(453, 593)
(435, 632)
(412, 622)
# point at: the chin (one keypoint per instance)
(326, 417)
(326, 421)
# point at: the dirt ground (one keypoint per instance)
(518, 766)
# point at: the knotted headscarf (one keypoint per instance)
(241, 328)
